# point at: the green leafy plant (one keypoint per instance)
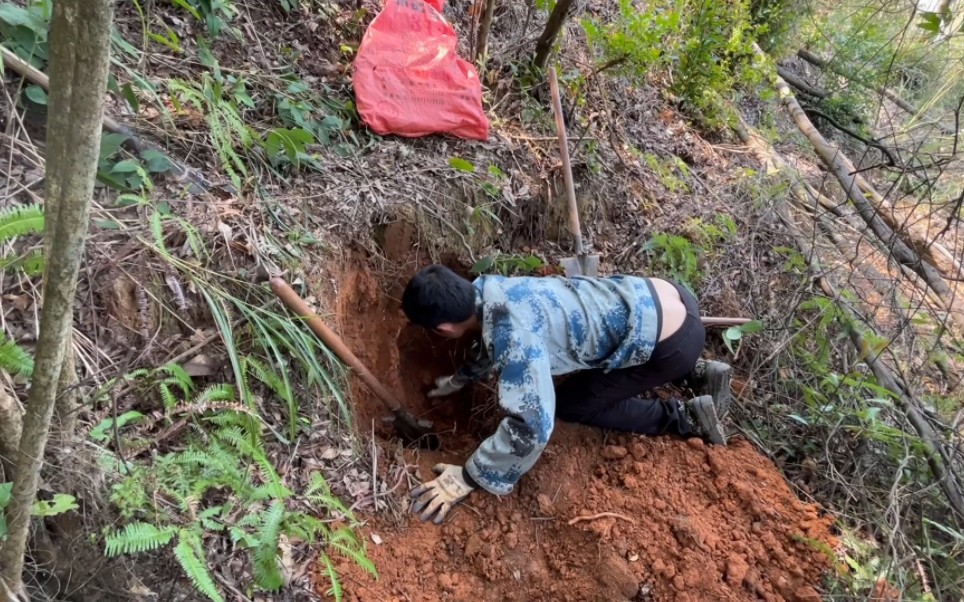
(672, 174)
(734, 334)
(507, 264)
(60, 503)
(24, 31)
(676, 256)
(307, 107)
(215, 14)
(127, 172)
(700, 43)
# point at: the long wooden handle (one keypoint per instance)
(290, 298)
(566, 167)
(714, 321)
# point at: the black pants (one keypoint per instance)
(611, 400)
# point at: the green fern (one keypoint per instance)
(266, 570)
(13, 358)
(177, 375)
(157, 231)
(191, 557)
(218, 392)
(135, 538)
(335, 590)
(20, 220)
(167, 398)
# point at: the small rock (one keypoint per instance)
(695, 442)
(614, 452)
(659, 504)
(806, 594)
(512, 541)
(545, 505)
(679, 583)
(376, 539)
(736, 569)
(473, 546)
(658, 566)
(638, 451)
(632, 557)
(630, 482)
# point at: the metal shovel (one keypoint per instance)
(582, 264)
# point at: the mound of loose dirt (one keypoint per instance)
(694, 523)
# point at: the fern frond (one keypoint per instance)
(276, 383)
(191, 558)
(218, 392)
(359, 557)
(319, 493)
(266, 570)
(138, 537)
(157, 230)
(305, 527)
(178, 376)
(20, 220)
(335, 590)
(13, 358)
(167, 397)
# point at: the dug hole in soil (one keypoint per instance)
(695, 522)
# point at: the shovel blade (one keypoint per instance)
(585, 265)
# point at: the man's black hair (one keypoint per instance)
(437, 295)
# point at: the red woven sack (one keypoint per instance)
(409, 79)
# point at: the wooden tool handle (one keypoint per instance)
(714, 321)
(290, 298)
(566, 167)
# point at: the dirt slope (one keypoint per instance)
(697, 523)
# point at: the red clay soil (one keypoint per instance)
(660, 518)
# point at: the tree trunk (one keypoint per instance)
(79, 49)
(11, 423)
(65, 417)
(801, 84)
(482, 40)
(548, 37)
(872, 211)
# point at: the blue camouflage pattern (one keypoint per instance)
(535, 328)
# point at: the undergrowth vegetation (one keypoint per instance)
(702, 48)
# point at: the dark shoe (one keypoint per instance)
(705, 419)
(715, 376)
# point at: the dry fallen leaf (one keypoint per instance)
(200, 365)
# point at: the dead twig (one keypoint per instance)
(601, 515)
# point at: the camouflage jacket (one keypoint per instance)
(534, 328)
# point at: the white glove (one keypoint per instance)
(441, 494)
(445, 385)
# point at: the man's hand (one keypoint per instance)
(445, 385)
(441, 494)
